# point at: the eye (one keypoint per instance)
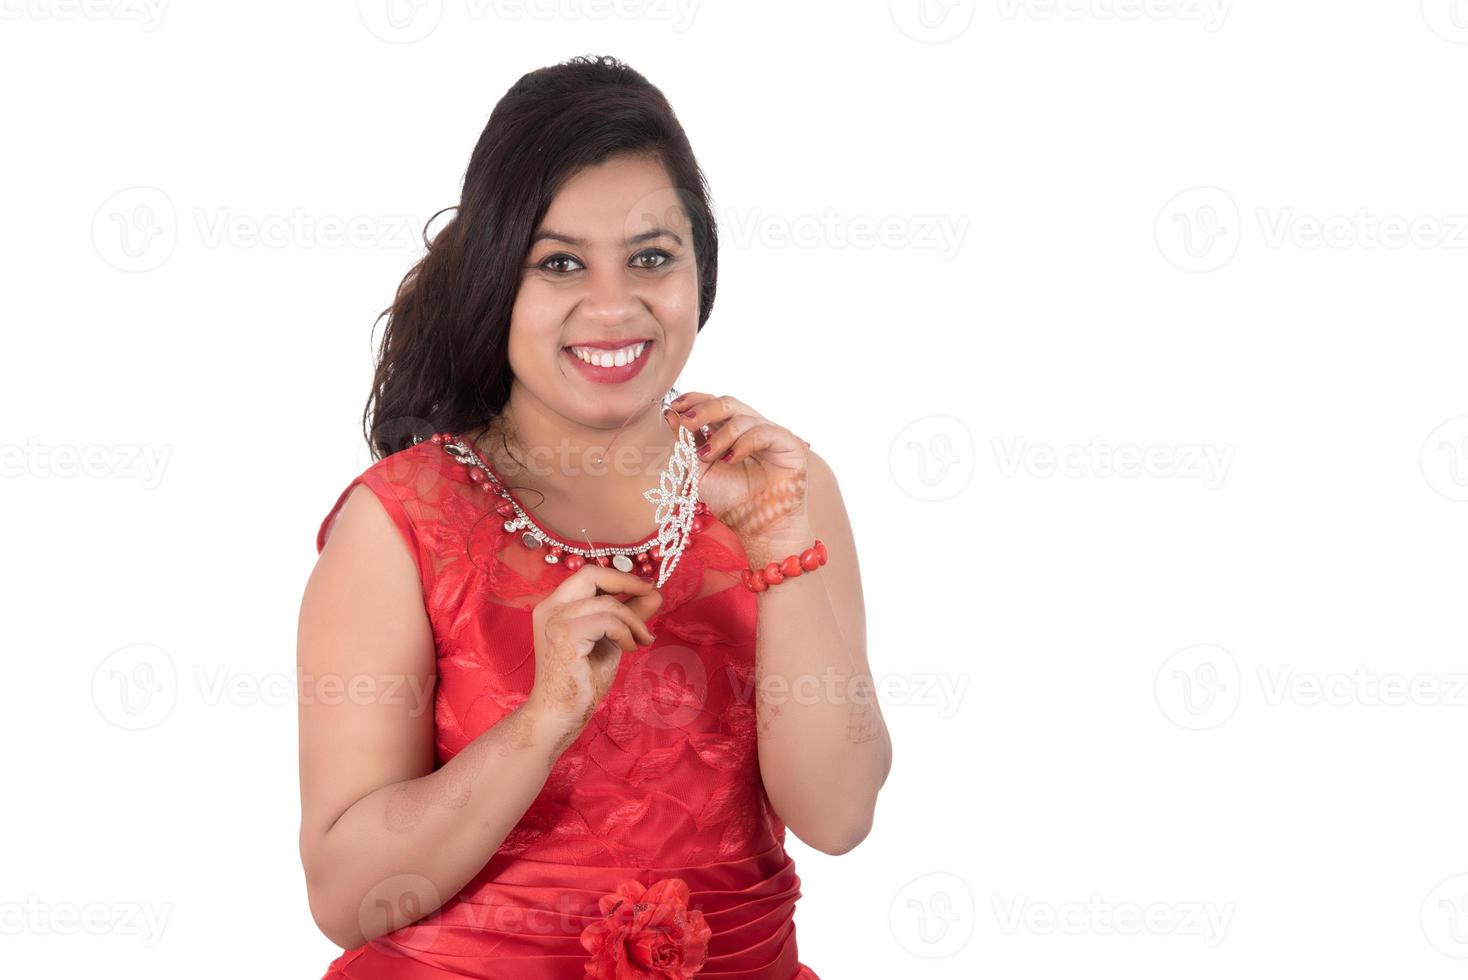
(547, 262)
(651, 253)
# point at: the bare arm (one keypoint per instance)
(824, 749)
(386, 839)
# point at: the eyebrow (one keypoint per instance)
(550, 234)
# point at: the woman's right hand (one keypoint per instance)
(581, 630)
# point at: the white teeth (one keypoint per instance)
(610, 358)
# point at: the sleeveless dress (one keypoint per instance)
(662, 783)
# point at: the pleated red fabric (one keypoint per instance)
(662, 783)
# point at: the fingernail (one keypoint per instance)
(688, 414)
(703, 450)
(727, 456)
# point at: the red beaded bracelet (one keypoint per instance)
(778, 571)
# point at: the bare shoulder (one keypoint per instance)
(362, 525)
(827, 509)
(366, 574)
(365, 668)
(819, 471)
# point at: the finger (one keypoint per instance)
(612, 627)
(586, 580)
(759, 439)
(628, 616)
(608, 605)
(723, 437)
(689, 399)
(712, 411)
(592, 606)
(677, 419)
(645, 605)
(702, 410)
(737, 407)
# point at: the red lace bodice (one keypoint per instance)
(663, 781)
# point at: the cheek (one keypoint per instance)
(538, 310)
(674, 302)
(535, 329)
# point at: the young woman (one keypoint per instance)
(575, 653)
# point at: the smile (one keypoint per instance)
(608, 365)
(600, 357)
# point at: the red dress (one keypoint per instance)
(663, 782)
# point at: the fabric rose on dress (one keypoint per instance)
(646, 933)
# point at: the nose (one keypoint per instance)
(611, 297)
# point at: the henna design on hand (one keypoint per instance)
(571, 734)
(863, 725)
(776, 501)
(766, 711)
(410, 801)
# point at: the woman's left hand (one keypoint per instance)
(753, 471)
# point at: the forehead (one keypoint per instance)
(617, 198)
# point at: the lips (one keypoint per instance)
(611, 344)
(613, 374)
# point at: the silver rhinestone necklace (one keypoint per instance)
(677, 508)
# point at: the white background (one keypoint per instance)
(1200, 718)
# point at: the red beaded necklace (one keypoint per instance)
(680, 515)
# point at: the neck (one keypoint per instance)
(554, 453)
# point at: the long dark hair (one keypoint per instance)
(443, 362)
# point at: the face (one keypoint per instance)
(607, 307)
